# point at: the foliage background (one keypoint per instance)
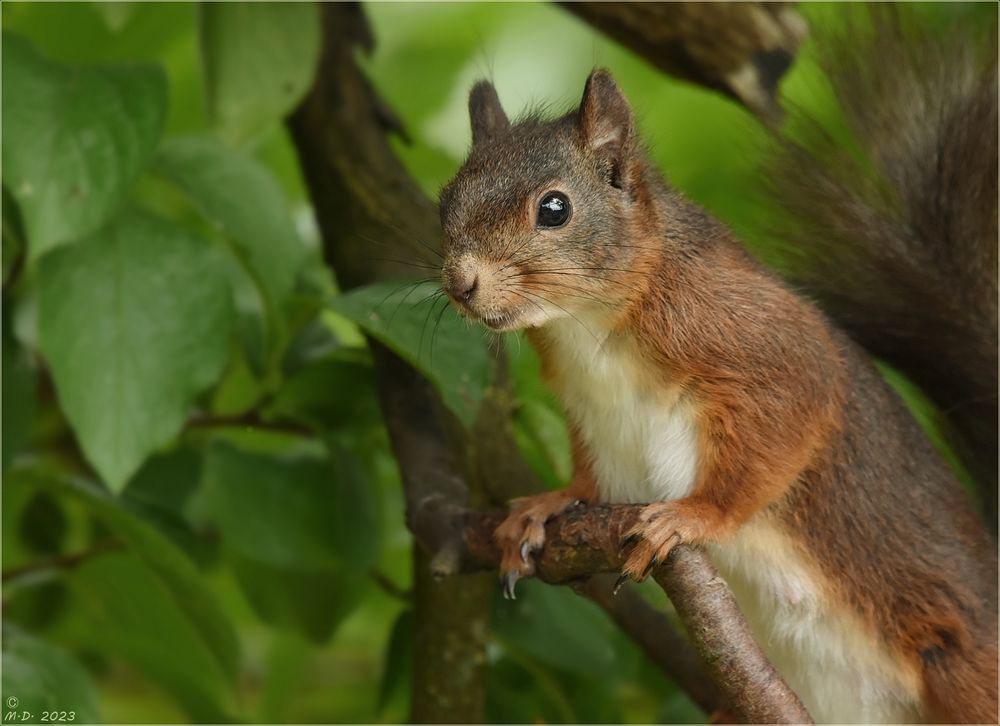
(201, 516)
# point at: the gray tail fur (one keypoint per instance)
(895, 232)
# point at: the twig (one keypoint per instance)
(251, 418)
(66, 561)
(389, 587)
(15, 271)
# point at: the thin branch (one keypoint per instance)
(15, 271)
(251, 419)
(66, 561)
(389, 587)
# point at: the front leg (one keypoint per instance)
(740, 475)
(522, 533)
(664, 525)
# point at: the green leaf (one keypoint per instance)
(427, 332)
(560, 629)
(134, 614)
(539, 421)
(180, 579)
(398, 668)
(541, 435)
(75, 139)
(287, 661)
(290, 512)
(301, 533)
(519, 690)
(239, 197)
(258, 60)
(12, 237)
(330, 393)
(166, 482)
(134, 322)
(40, 677)
(160, 493)
(115, 15)
(18, 391)
(309, 602)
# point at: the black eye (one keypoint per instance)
(554, 210)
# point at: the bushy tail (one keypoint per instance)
(895, 232)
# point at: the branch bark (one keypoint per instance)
(356, 182)
(739, 49)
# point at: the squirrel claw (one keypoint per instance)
(629, 540)
(619, 583)
(525, 551)
(509, 580)
(649, 568)
(522, 534)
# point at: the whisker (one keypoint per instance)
(507, 254)
(577, 292)
(410, 237)
(512, 258)
(581, 275)
(546, 300)
(437, 324)
(529, 258)
(398, 261)
(412, 284)
(396, 248)
(629, 245)
(403, 300)
(423, 328)
(599, 268)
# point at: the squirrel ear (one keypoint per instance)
(486, 113)
(605, 117)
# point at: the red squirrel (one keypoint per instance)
(697, 383)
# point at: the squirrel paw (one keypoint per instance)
(660, 528)
(523, 533)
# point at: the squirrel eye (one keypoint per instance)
(554, 210)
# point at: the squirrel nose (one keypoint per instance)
(462, 285)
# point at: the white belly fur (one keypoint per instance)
(839, 670)
(643, 440)
(645, 449)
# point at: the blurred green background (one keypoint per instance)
(202, 520)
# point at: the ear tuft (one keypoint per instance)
(605, 117)
(486, 114)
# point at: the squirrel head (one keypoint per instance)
(540, 221)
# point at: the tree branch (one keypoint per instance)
(66, 561)
(739, 49)
(247, 419)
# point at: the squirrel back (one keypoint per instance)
(899, 242)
